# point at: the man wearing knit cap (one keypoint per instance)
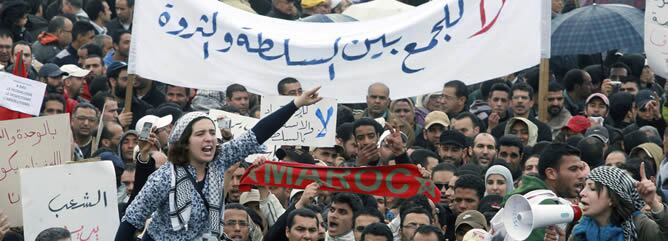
(312, 7)
(283, 9)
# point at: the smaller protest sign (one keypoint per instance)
(240, 124)
(313, 125)
(28, 143)
(57, 197)
(401, 181)
(656, 37)
(21, 94)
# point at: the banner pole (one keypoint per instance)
(543, 83)
(128, 93)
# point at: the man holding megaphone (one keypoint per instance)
(561, 174)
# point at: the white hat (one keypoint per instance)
(74, 71)
(158, 122)
(252, 196)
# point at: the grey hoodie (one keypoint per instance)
(119, 150)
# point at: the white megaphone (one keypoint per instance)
(520, 216)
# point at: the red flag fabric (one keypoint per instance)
(402, 181)
(19, 67)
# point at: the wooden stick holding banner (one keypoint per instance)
(543, 83)
(128, 93)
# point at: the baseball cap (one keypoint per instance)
(453, 137)
(297, 155)
(643, 97)
(473, 218)
(115, 67)
(600, 96)
(436, 117)
(252, 196)
(386, 133)
(599, 132)
(311, 3)
(158, 122)
(74, 71)
(50, 70)
(578, 124)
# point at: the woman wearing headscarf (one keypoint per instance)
(498, 180)
(184, 197)
(405, 110)
(611, 202)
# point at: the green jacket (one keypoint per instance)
(530, 183)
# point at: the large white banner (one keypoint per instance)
(28, 143)
(656, 36)
(79, 197)
(209, 45)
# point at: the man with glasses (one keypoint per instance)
(363, 219)
(441, 175)
(236, 222)
(411, 220)
(83, 124)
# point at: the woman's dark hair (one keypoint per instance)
(178, 152)
(621, 209)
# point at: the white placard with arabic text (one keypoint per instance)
(21, 94)
(313, 125)
(79, 197)
(240, 124)
(656, 36)
(27, 143)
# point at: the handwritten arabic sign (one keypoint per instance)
(413, 52)
(656, 36)
(313, 125)
(240, 124)
(59, 197)
(21, 94)
(28, 143)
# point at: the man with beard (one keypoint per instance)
(6, 43)
(441, 175)
(124, 14)
(53, 104)
(121, 43)
(147, 91)
(561, 171)
(118, 81)
(578, 88)
(452, 147)
(232, 180)
(236, 222)
(483, 151)
(84, 123)
(73, 82)
(558, 115)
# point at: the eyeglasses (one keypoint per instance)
(441, 186)
(233, 223)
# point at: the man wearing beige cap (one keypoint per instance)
(434, 124)
(312, 7)
(73, 81)
(468, 220)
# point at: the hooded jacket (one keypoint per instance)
(119, 150)
(533, 129)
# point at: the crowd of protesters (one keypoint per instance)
(602, 145)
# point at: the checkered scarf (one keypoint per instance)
(182, 189)
(624, 186)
